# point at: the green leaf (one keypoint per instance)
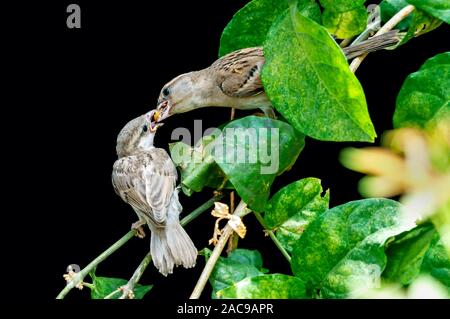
(197, 166)
(437, 263)
(437, 8)
(437, 61)
(425, 95)
(252, 151)
(293, 208)
(417, 23)
(343, 249)
(345, 24)
(389, 8)
(421, 23)
(249, 26)
(341, 5)
(275, 286)
(241, 263)
(248, 257)
(105, 285)
(307, 78)
(415, 253)
(406, 254)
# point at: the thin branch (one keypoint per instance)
(234, 238)
(128, 289)
(89, 285)
(273, 237)
(186, 220)
(344, 43)
(112, 294)
(78, 277)
(241, 211)
(402, 14)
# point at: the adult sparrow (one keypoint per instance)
(145, 177)
(235, 81)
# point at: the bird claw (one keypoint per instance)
(139, 229)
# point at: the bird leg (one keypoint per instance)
(268, 112)
(138, 227)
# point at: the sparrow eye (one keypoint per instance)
(144, 128)
(166, 92)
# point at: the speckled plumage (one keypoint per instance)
(145, 178)
(235, 81)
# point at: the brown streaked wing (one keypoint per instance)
(160, 180)
(239, 73)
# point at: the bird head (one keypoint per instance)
(137, 135)
(176, 97)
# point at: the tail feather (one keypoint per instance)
(171, 245)
(160, 251)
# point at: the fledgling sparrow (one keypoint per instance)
(235, 81)
(145, 177)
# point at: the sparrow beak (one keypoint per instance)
(163, 111)
(152, 118)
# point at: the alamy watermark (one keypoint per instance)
(237, 145)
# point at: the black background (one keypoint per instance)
(73, 90)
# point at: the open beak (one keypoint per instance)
(152, 118)
(163, 111)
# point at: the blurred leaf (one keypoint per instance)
(197, 166)
(249, 26)
(345, 24)
(425, 94)
(437, 263)
(437, 8)
(275, 286)
(341, 5)
(342, 250)
(406, 254)
(418, 252)
(104, 286)
(241, 263)
(390, 7)
(308, 80)
(293, 208)
(252, 151)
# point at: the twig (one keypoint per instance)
(402, 14)
(112, 294)
(78, 278)
(234, 238)
(273, 237)
(345, 42)
(241, 211)
(128, 289)
(186, 220)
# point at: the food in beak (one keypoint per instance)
(156, 115)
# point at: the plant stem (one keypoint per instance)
(273, 237)
(344, 43)
(197, 212)
(402, 14)
(85, 271)
(234, 238)
(89, 285)
(112, 294)
(129, 287)
(241, 211)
